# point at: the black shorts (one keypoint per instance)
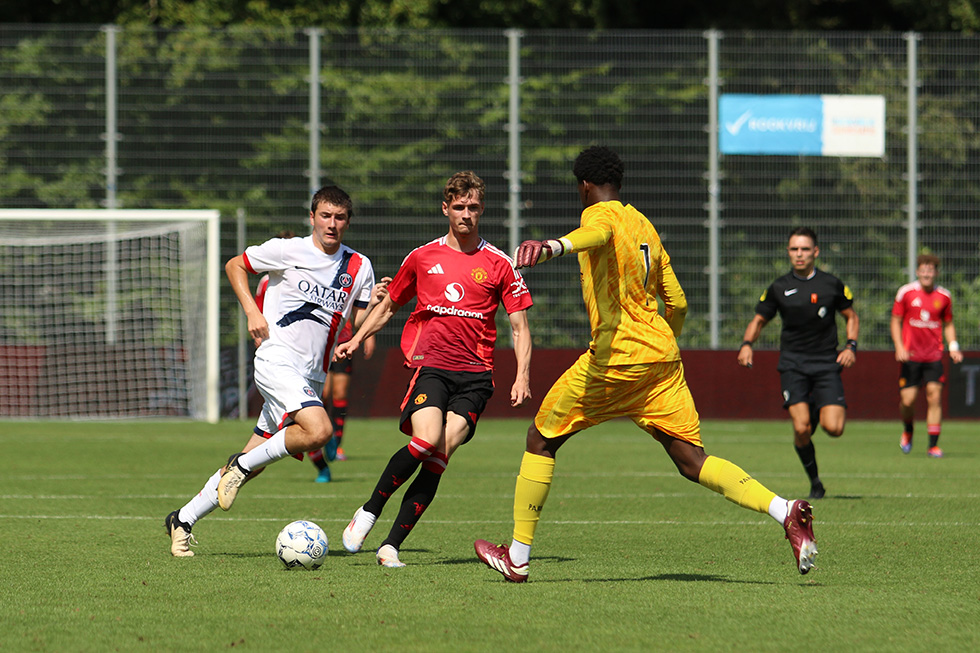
(343, 366)
(464, 393)
(915, 375)
(821, 388)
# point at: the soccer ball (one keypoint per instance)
(302, 544)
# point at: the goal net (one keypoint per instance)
(108, 314)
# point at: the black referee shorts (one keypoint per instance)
(822, 387)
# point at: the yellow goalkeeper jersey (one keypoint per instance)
(624, 269)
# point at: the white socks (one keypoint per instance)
(268, 452)
(202, 504)
(206, 500)
(778, 509)
(519, 552)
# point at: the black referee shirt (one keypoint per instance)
(808, 309)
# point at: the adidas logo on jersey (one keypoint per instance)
(435, 269)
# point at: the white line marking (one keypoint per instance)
(482, 495)
(510, 474)
(615, 522)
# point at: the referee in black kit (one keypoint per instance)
(807, 300)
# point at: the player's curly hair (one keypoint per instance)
(599, 165)
(335, 195)
(461, 184)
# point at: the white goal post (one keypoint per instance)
(109, 313)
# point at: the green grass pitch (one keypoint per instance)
(628, 556)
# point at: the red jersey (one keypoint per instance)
(923, 316)
(452, 326)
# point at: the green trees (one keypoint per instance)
(220, 118)
(887, 15)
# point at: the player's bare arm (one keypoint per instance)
(895, 326)
(376, 318)
(955, 354)
(520, 392)
(370, 344)
(751, 335)
(237, 274)
(848, 356)
(379, 292)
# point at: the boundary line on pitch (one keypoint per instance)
(307, 497)
(565, 522)
(512, 474)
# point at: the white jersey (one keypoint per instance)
(309, 299)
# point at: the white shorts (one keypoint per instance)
(285, 391)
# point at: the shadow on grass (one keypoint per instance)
(686, 578)
(474, 559)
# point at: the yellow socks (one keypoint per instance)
(718, 474)
(737, 486)
(533, 484)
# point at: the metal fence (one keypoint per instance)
(146, 118)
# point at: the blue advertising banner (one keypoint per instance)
(817, 125)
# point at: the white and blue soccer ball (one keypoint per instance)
(302, 544)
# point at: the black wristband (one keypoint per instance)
(745, 342)
(852, 345)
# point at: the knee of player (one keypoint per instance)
(320, 432)
(690, 466)
(835, 430)
(536, 443)
(687, 458)
(691, 472)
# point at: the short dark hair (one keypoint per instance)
(927, 259)
(461, 184)
(334, 195)
(599, 165)
(805, 231)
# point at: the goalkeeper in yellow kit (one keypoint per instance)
(633, 368)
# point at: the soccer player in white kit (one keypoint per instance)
(315, 284)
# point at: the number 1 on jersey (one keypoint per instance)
(645, 248)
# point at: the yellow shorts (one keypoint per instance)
(654, 395)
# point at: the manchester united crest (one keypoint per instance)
(479, 275)
(420, 399)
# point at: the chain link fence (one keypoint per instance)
(199, 118)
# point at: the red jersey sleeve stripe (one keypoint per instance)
(248, 264)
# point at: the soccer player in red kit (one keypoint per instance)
(922, 314)
(459, 280)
